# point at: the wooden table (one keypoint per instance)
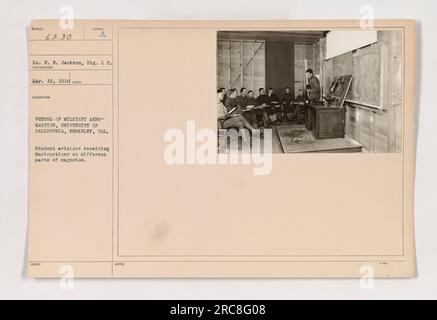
(326, 122)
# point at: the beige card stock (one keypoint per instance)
(122, 115)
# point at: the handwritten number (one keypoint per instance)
(55, 36)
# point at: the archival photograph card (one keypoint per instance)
(221, 149)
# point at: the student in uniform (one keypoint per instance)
(287, 97)
(298, 104)
(262, 107)
(247, 111)
(261, 100)
(286, 100)
(228, 118)
(242, 98)
(301, 97)
(231, 102)
(251, 101)
(275, 113)
(248, 105)
(223, 90)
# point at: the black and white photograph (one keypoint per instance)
(337, 91)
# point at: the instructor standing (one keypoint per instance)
(314, 84)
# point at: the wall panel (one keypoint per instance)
(240, 64)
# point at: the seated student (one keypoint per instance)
(247, 111)
(248, 104)
(224, 93)
(242, 98)
(228, 119)
(286, 100)
(275, 113)
(298, 104)
(287, 97)
(251, 100)
(261, 100)
(231, 102)
(262, 107)
(301, 97)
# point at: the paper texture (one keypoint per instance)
(106, 100)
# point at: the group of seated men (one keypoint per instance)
(240, 108)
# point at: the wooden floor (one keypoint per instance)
(297, 139)
(294, 138)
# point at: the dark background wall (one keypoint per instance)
(279, 59)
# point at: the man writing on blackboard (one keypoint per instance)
(314, 84)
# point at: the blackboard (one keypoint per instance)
(366, 84)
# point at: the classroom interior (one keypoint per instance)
(369, 116)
